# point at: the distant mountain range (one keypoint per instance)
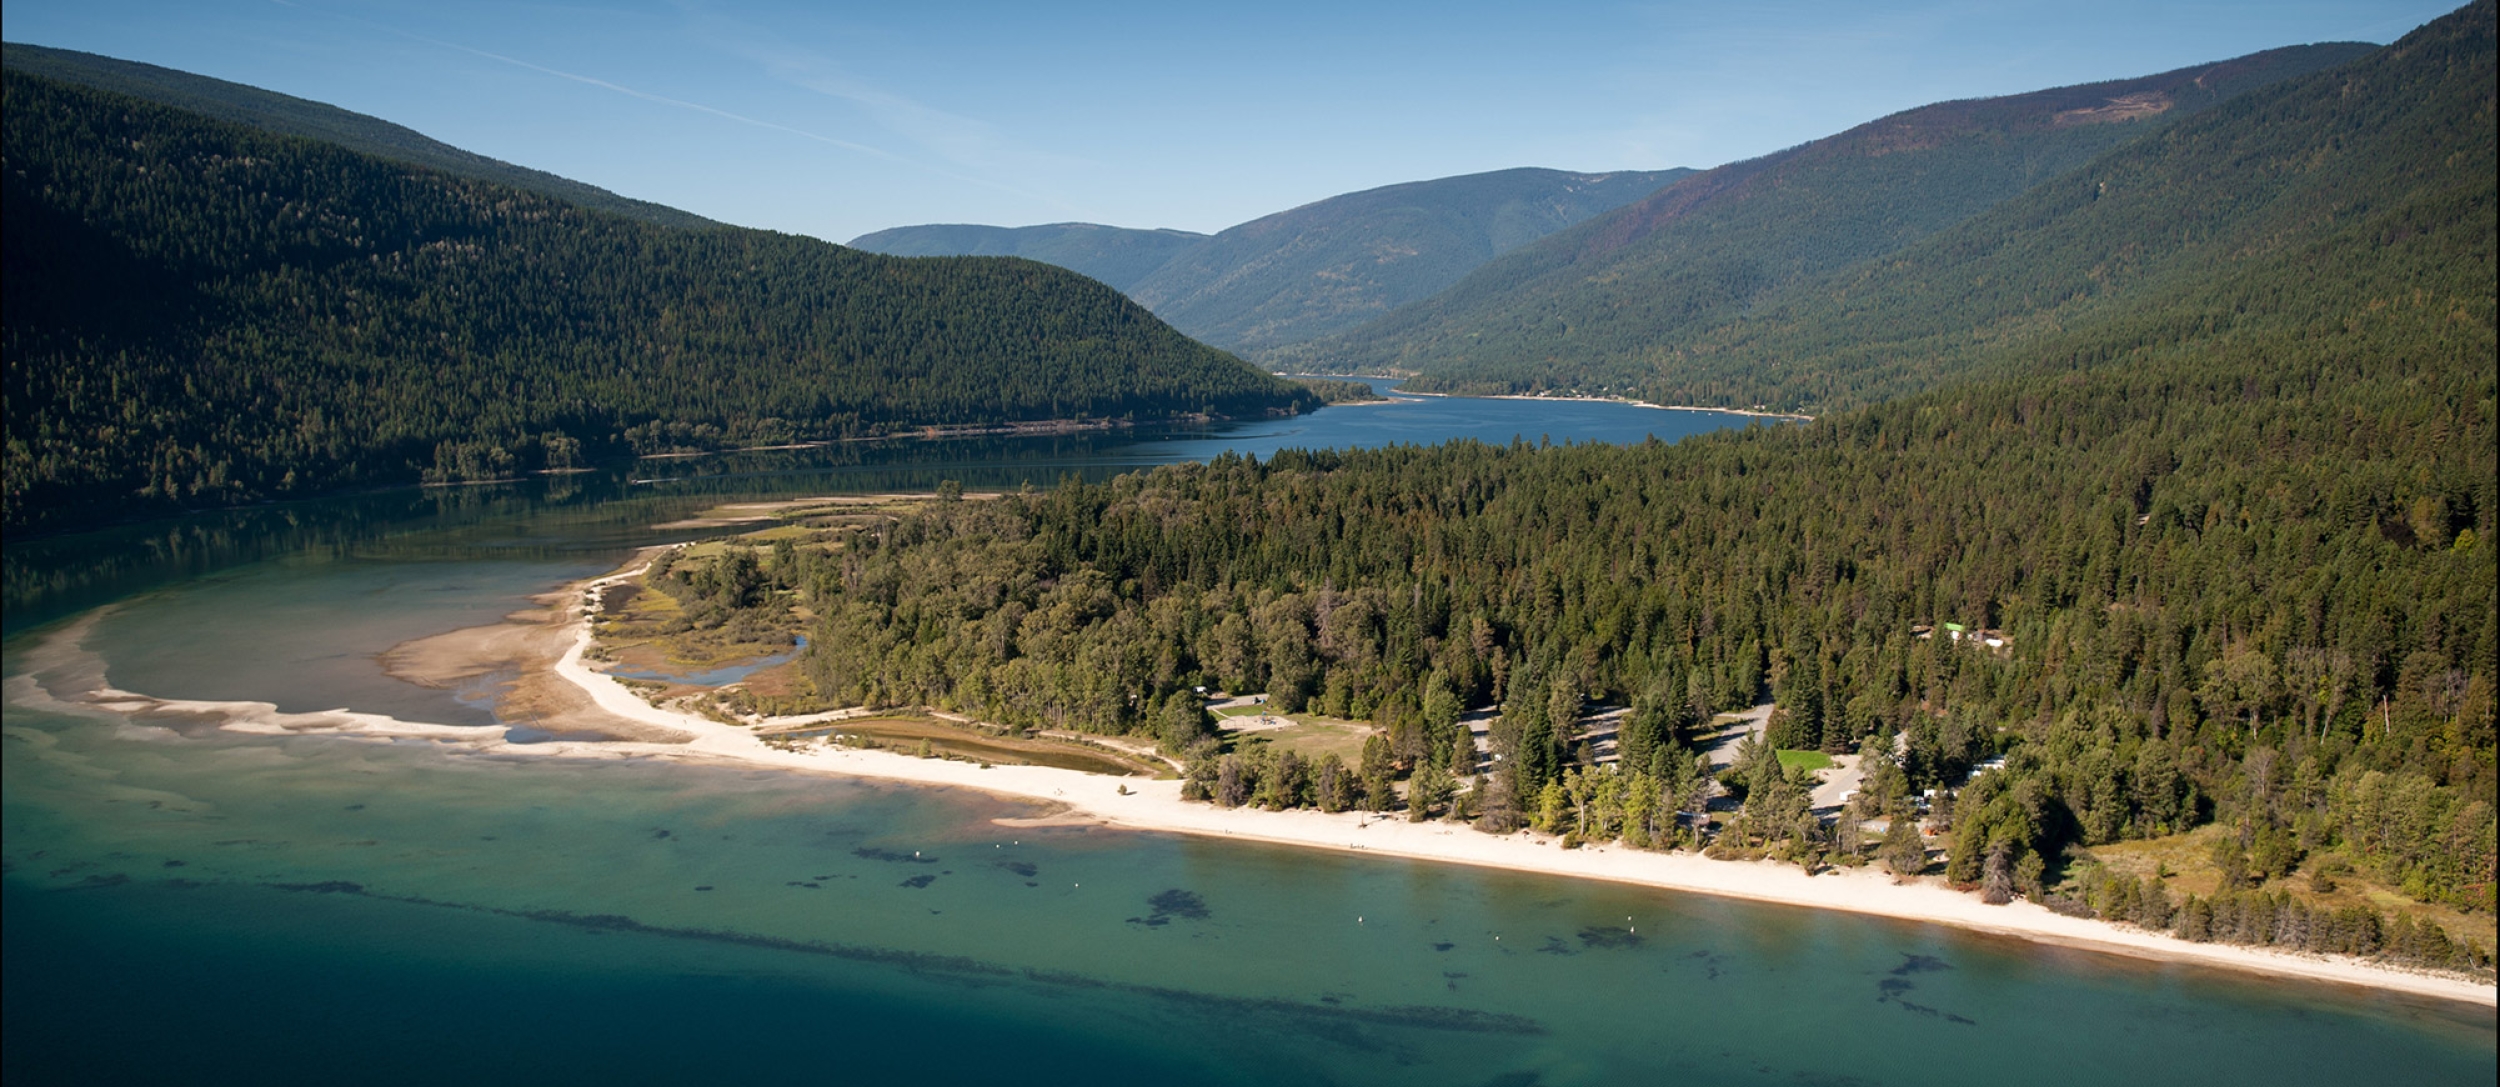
(1118, 256)
(200, 312)
(1316, 269)
(1614, 303)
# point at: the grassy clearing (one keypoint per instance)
(1315, 737)
(1805, 760)
(823, 512)
(639, 625)
(2188, 860)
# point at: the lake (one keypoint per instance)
(190, 904)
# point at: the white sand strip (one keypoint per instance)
(1157, 806)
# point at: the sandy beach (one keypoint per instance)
(66, 678)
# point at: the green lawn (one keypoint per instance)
(1316, 737)
(1808, 760)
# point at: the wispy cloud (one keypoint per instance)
(929, 122)
(958, 139)
(968, 143)
(698, 107)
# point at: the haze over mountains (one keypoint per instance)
(1312, 270)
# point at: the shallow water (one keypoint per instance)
(711, 677)
(630, 916)
(205, 906)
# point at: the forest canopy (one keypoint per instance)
(199, 313)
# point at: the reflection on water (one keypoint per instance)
(606, 512)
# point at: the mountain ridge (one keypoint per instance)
(1116, 255)
(2363, 168)
(204, 313)
(1708, 246)
(1317, 267)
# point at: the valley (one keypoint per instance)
(469, 622)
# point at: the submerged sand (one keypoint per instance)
(527, 645)
(1157, 805)
(546, 651)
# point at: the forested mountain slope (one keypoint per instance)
(1576, 310)
(288, 115)
(1119, 256)
(1331, 265)
(203, 313)
(2383, 168)
(1313, 270)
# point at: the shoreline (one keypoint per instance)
(1155, 805)
(1403, 392)
(1625, 400)
(1149, 805)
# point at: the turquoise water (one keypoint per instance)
(186, 904)
(380, 901)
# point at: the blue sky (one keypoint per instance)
(834, 119)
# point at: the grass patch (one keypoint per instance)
(797, 534)
(1805, 760)
(1314, 737)
(2189, 861)
(909, 734)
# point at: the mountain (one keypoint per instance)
(1331, 265)
(291, 116)
(1119, 256)
(2355, 191)
(1315, 269)
(202, 313)
(1587, 308)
